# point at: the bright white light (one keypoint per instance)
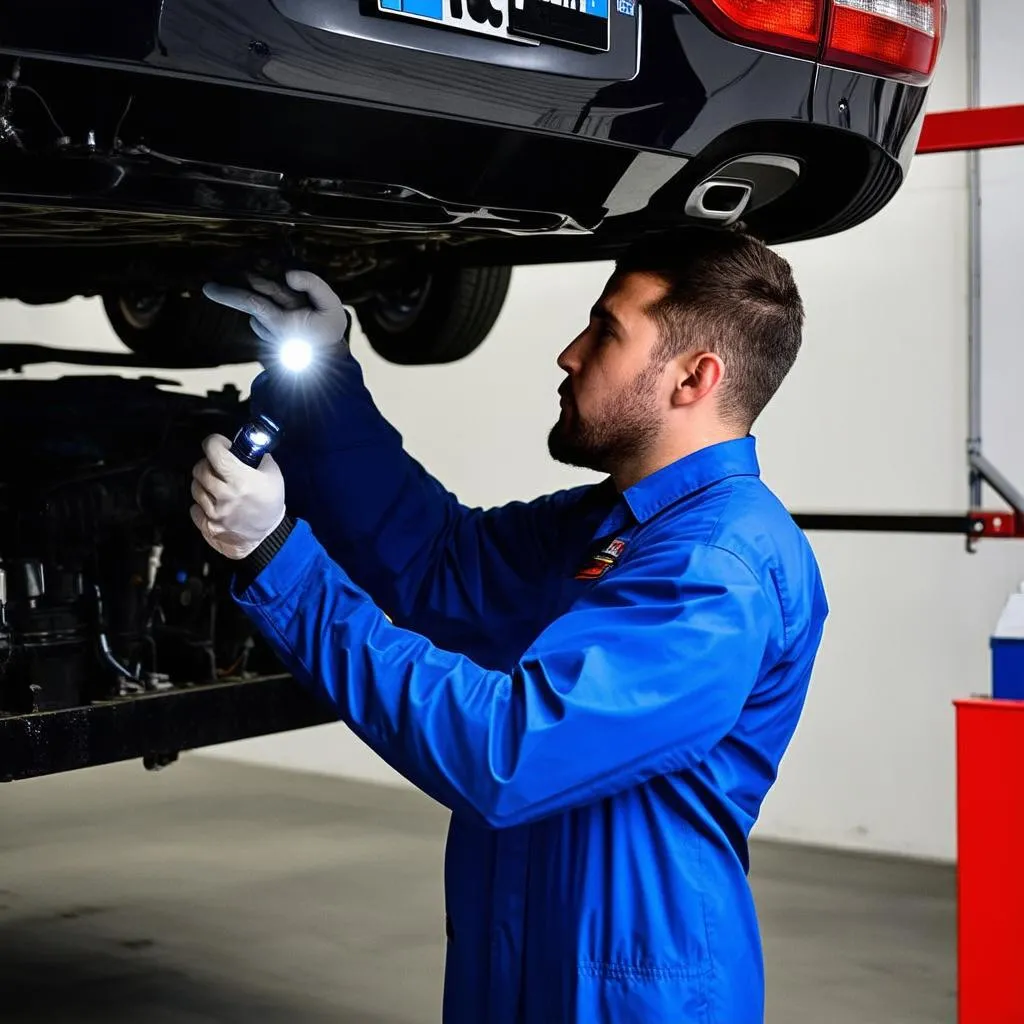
(296, 354)
(259, 438)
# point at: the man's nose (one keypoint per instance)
(569, 360)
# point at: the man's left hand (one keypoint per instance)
(236, 507)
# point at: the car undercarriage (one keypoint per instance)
(140, 179)
(108, 594)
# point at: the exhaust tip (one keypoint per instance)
(719, 199)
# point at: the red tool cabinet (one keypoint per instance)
(990, 860)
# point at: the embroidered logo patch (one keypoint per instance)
(601, 561)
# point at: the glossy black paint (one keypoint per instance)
(650, 99)
(356, 130)
(105, 28)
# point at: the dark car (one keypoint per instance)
(409, 151)
(412, 151)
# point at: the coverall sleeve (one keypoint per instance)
(643, 676)
(430, 562)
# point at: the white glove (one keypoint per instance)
(306, 309)
(236, 507)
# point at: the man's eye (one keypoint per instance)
(599, 330)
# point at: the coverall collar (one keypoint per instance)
(678, 480)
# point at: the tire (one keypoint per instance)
(441, 318)
(180, 331)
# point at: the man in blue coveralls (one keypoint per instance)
(599, 683)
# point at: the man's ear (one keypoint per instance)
(698, 374)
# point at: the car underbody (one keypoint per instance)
(158, 158)
(148, 209)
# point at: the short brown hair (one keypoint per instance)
(732, 295)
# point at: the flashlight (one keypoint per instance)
(260, 435)
(256, 439)
(295, 354)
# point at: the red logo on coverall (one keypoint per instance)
(598, 564)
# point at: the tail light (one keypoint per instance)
(792, 26)
(891, 38)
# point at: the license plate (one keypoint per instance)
(580, 23)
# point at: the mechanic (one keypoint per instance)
(599, 683)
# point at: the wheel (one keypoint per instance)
(182, 331)
(439, 318)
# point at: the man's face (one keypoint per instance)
(612, 402)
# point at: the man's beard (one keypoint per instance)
(625, 428)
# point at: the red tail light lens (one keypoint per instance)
(793, 26)
(891, 38)
(894, 38)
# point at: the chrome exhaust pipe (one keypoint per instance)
(719, 199)
(742, 185)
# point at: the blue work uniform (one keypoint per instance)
(600, 686)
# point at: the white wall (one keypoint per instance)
(872, 418)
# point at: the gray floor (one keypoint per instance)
(213, 892)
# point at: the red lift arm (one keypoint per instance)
(952, 131)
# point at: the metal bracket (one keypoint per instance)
(985, 471)
(974, 525)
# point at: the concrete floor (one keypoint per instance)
(215, 893)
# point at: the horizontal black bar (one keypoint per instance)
(888, 522)
(153, 725)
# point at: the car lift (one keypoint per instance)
(970, 131)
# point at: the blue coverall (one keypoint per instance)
(599, 686)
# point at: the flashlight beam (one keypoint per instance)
(296, 354)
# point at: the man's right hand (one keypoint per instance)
(306, 309)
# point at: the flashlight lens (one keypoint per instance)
(296, 354)
(259, 438)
